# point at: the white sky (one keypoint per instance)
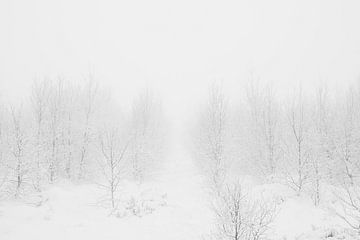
(179, 47)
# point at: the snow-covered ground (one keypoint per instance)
(71, 211)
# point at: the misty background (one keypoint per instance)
(178, 48)
(201, 119)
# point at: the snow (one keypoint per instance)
(73, 212)
(180, 211)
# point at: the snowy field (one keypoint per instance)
(182, 211)
(179, 120)
(72, 212)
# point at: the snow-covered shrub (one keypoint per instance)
(329, 234)
(139, 201)
(348, 208)
(239, 217)
(143, 206)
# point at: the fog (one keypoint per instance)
(69, 155)
(179, 47)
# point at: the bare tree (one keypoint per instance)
(323, 144)
(212, 137)
(17, 143)
(270, 124)
(348, 154)
(237, 217)
(3, 164)
(39, 100)
(349, 138)
(349, 211)
(298, 149)
(263, 128)
(69, 129)
(55, 111)
(90, 95)
(113, 148)
(146, 139)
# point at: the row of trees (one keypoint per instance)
(300, 140)
(309, 141)
(76, 131)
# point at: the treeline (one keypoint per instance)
(77, 131)
(308, 140)
(304, 139)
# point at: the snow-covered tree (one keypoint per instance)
(238, 217)
(349, 206)
(55, 124)
(263, 135)
(89, 97)
(2, 146)
(212, 137)
(298, 151)
(70, 133)
(114, 146)
(18, 141)
(39, 106)
(146, 143)
(349, 138)
(323, 143)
